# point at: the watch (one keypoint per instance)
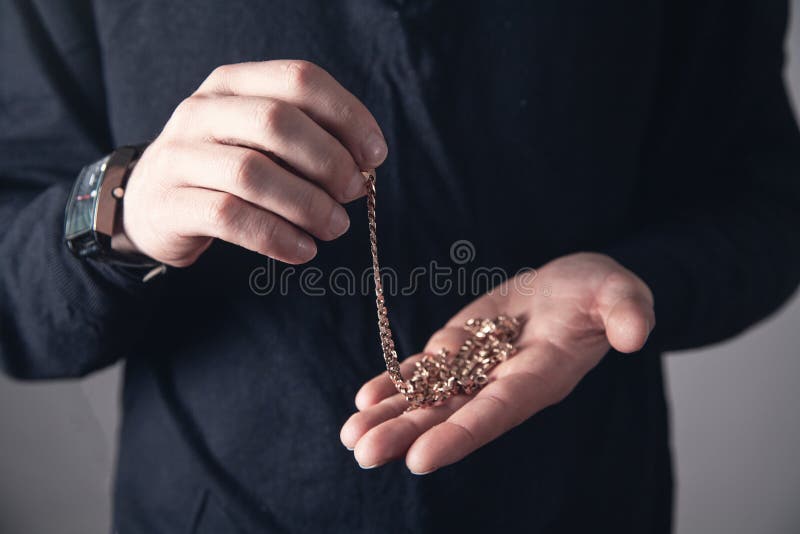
(93, 215)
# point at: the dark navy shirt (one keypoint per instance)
(655, 131)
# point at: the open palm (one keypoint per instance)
(578, 307)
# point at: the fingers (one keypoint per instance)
(625, 305)
(381, 386)
(257, 179)
(320, 135)
(273, 126)
(433, 437)
(203, 212)
(496, 409)
(550, 362)
(315, 92)
(361, 422)
(382, 430)
(388, 436)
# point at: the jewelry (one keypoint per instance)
(436, 378)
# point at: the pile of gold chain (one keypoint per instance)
(436, 378)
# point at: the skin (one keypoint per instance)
(263, 155)
(589, 304)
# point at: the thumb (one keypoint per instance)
(626, 307)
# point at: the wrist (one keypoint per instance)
(93, 220)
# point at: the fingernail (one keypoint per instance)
(340, 222)
(365, 467)
(306, 248)
(349, 448)
(375, 149)
(355, 188)
(423, 473)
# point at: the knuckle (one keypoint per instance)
(154, 172)
(335, 166)
(621, 283)
(305, 203)
(222, 212)
(270, 228)
(220, 75)
(301, 76)
(163, 153)
(271, 115)
(188, 108)
(617, 280)
(154, 156)
(346, 113)
(243, 169)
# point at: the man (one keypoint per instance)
(642, 157)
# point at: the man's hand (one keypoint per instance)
(262, 155)
(589, 304)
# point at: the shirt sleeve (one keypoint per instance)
(731, 255)
(59, 316)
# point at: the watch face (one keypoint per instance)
(83, 201)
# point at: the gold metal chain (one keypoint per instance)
(436, 377)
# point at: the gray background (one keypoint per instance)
(736, 432)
